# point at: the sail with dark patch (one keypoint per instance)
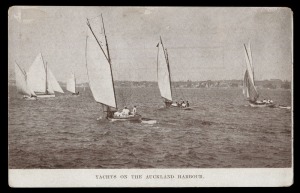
(249, 90)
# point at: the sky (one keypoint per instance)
(204, 43)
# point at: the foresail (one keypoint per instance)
(53, 84)
(71, 83)
(249, 80)
(36, 75)
(99, 73)
(163, 76)
(21, 81)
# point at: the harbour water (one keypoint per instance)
(221, 131)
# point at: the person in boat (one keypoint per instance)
(125, 112)
(181, 101)
(183, 105)
(187, 104)
(134, 110)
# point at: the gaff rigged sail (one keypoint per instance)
(163, 73)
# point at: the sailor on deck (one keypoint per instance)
(187, 104)
(183, 104)
(125, 112)
(134, 110)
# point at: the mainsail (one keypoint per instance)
(99, 71)
(41, 79)
(163, 73)
(21, 82)
(71, 84)
(249, 90)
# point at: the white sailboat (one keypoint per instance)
(249, 88)
(99, 70)
(42, 80)
(164, 77)
(22, 84)
(71, 84)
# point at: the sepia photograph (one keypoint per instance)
(150, 96)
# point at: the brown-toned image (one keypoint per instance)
(149, 88)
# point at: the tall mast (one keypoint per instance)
(250, 55)
(168, 66)
(109, 61)
(249, 62)
(108, 58)
(108, 55)
(45, 66)
(74, 81)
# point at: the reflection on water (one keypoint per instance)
(220, 131)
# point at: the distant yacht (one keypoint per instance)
(22, 84)
(41, 79)
(71, 85)
(164, 78)
(249, 88)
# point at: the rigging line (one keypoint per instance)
(22, 70)
(45, 66)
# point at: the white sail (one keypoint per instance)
(71, 84)
(36, 75)
(53, 84)
(21, 82)
(249, 86)
(99, 73)
(163, 76)
(250, 57)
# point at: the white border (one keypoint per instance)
(250, 177)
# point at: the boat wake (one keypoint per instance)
(284, 107)
(148, 121)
